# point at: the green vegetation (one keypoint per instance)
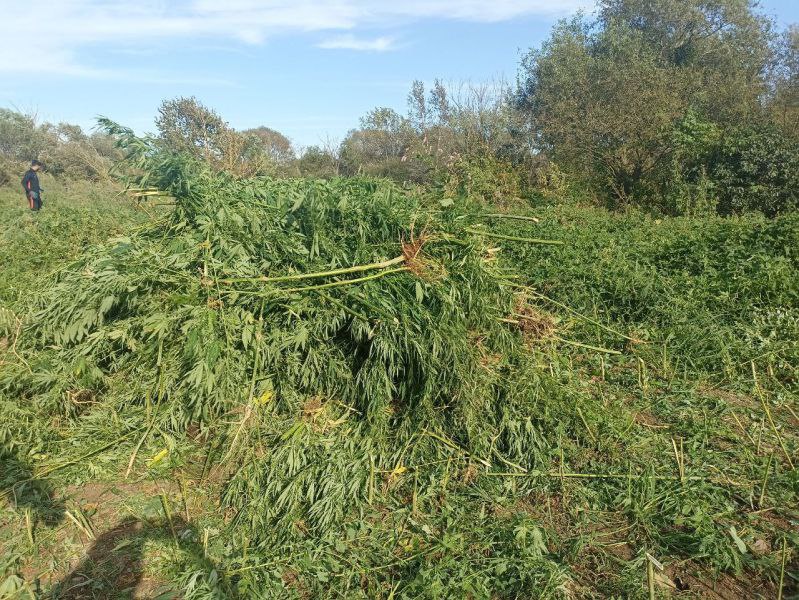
(275, 405)
(68, 151)
(530, 342)
(79, 214)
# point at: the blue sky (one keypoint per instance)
(307, 68)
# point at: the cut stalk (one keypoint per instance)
(506, 461)
(81, 527)
(300, 276)
(505, 320)
(571, 310)
(782, 567)
(517, 217)
(740, 425)
(642, 379)
(586, 346)
(29, 525)
(137, 448)
(569, 475)
(651, 563)
(585, 423)
(55, 468)
(343, 307)
(323, 286)
(454, 446)
(371, 479)
(679, 457)
(765, 481)
(333, 284)
(770, 420)
(513, 238)
(168, 514)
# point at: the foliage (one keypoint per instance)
(483, 178)
(757, 169)
(65, 149)
(275, 146)
(784, 107)
(722, 45)
(703, 286)
(380, 147)
(731, 171)
(186, 126)
(319, 163)
(182, 308)
(458, 138)
(76, 215)
(350, 388)
(505, 469)
(609, 100)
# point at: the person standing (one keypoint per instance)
(33, 191)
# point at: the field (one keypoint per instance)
(628, 429)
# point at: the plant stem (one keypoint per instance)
(518, 217)
(585, 423)
(346, 281)
(782, 567)
(455, 446)
(765, 480)
(567, 475)
(168, 514)
(679, 455)
(343, 307)
(770, 420)
(571, 310)
(587, 346)
(318, 274)
(80, 458)
(317, 287)
(512, 238)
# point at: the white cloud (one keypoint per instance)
(350, 42)
(59, 35)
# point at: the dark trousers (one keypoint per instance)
(35, 200)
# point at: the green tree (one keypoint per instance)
(318, 162)
(381, 146)
(186, 125)
(274, 145)
(726, 45)
(785, 103)
(602, 106)
(602, 98)
(65, 148)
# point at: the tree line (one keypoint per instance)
(675, 106)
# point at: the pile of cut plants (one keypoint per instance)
(321, 334)
(351, 390)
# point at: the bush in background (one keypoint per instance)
(65, 149)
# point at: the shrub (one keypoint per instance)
(756, 168)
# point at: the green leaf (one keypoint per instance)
(738, 541)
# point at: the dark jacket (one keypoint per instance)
(31, 182)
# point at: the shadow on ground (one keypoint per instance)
(24, 492)
(114, 565)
